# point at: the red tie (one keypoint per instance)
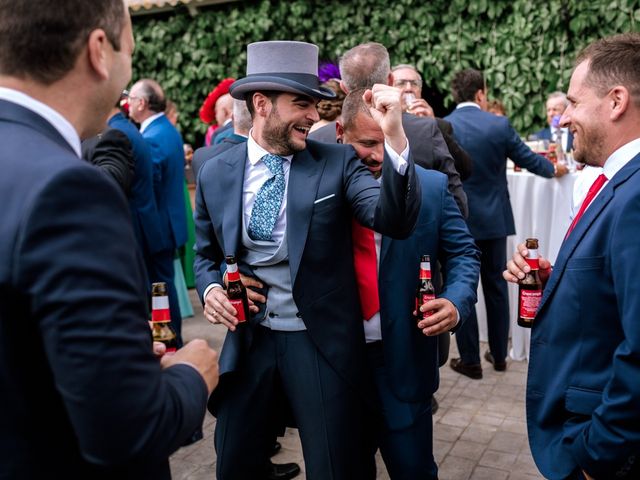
(593, 191)
(365, 262)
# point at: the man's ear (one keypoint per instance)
(618, 101)
(339, 132)
(261, 104)
(98, 47)
(343, 87)
(390, 79)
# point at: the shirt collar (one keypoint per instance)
(621, 157)
(145, 123)
(256, 152)
(60, 123)
(468, 104)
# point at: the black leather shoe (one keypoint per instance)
(470, 370)
(276, 448)
(282, 471)
(497, 366)
(434, 405)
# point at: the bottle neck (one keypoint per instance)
(533, 259)
(233, 275)
(425, 270)
(160, 309)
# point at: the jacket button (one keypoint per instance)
(271, 314)
(298, 314)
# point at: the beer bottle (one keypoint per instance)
(161, 317)
(530, 287)
(425, 290)
(236, 291)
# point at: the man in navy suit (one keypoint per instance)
(283, 206)
(489, 139)
(556, 104)
(583, 391)
(82, 395)
(147, 104)
(402, 354)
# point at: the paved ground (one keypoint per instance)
(479, 430)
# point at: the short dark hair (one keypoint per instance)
(352, 106)
(614, 61)
(465, 85)
(154, 95)
(41, 39)
(271, 94)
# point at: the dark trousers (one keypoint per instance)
(326, 410)
(493, 261)
(403, 431)
(161, 270)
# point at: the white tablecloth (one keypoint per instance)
(541, 209)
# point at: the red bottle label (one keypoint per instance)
(160, 309)
(171, 350)
(425, 298)
(529, 302)
(238, 305)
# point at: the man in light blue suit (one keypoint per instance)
(583, 388)
(402, 355)
(489, 140)
(147, 103)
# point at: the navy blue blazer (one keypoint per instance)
(490, 140)
(81, 393)
(545, 134)
(142, 201)
(319, 239)
(167, 153)
(583, 389)
(441, 232)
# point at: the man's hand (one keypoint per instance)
(386, 109)
(517, 267)
(218, 309)
(420, 108)
(560, 170)
(200, 356)
(443, 318)
(587, 476)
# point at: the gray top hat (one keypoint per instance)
(283, 66)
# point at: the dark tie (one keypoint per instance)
(595, 188)
(365, 262)
(266, 207)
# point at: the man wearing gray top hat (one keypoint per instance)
(284, 206)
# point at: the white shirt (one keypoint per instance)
(145, 124)
(60, 123)
(468, 104)
(613, 165)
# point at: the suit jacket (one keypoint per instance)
(201, 155)
(142, 200)
(167, 154)
(583, 392)
(441, 232)
(427, 147)
(81, 393)
(461, 159)
(545, 134)
(318, 235)
(490, 139)
(111, 152)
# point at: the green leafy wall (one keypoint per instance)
(525, 48)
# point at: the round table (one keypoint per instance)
(541, 209)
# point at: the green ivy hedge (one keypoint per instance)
(525, 48)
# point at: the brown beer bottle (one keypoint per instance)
(425, 290)
(161, 329)
(530, 287)
(236, 291)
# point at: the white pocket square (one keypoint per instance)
(324, 198)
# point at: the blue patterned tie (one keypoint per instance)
(268, 200)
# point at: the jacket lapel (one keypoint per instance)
(230, 180)
(304, 178)
(582, 227)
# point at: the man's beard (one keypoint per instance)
(276, 134)
(591, 147)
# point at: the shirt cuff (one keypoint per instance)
(401, 161)
(208, 289)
